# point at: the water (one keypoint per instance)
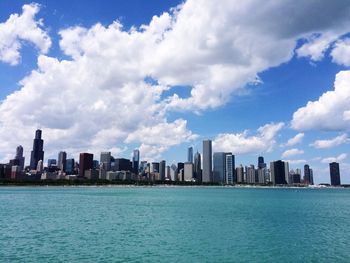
(174, 224)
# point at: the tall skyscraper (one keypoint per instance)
(70, 166)
(190, 155)
(105, 160)
(334, 173)
(136, 161)
(261, 163)
(207, 162)
(307, 174)
(19, 156)
(229, 168)
(219, 165)
(197, 169)
(162, 170)
(37, 153)
(85, 163)
(278, 172)
(188, 171)
(62, 157)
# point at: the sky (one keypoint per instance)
(162, 76)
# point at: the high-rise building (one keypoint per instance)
(219, 167)
(230, 168)
(207, 161)
(307, 175)
(250, 174)
(37, 153)
(190, 154)
(162, 165)
(62, 157)
(188, 171)
(311, 176)
(197, 169)
(122, 164)
(240, 174)
(19, 156)
(180, 171)
(155, 167)
(278, 172)
(334, 173)
(261, 163)
(105, 160)
(85, 163)
(70, 166)
(136, 161)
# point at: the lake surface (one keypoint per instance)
(174, 224)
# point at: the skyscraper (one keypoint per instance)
(62, 157)
(70, 166)
(229, 168)
(85, 163)
(197, 169)
(307, 174)
(136, 161)
(188, 171)
(19, 156)
(105, 160)
(240, 174)
(261, 163)
(162, 170)
(37, 153)
(219, 167)
(207, 161)
(190, 155)
(278, 172)
(334, 173)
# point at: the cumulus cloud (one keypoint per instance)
(242, 143)
(341, 52)
(321, 144)
(296, 139)
(338, 158)
(20, 28)
(330, 111)
(99, 97)
(292, 152)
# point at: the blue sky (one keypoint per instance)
(228, 72)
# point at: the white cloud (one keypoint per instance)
(292, 152)
(296, 139)
(341, 52)
(300, 161)
(99, 98)
(20, 28)
(320, 144)
(330, 111)
(338, 158)
(242, 143)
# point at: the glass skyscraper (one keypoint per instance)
(37, 153)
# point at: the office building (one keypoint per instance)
(19, 156)
(122, 164)
(261, 163)
(62, 158)
(188, 171)
(229, 168)
(37, 153)
(105, 160)
(51, 162)
(180, 171)
(70, 166)
(197, 168)
(207, 161)
(307, 174)
(240, 174)
(219, 167)
(334, 173)
(136, 161)
(162, 165)
(190, 155)
(85, 163)
(278, 172)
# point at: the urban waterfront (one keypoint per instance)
(174, 224)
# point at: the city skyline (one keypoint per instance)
(215, 168)
(158, 81)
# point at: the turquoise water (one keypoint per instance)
(174, 224)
